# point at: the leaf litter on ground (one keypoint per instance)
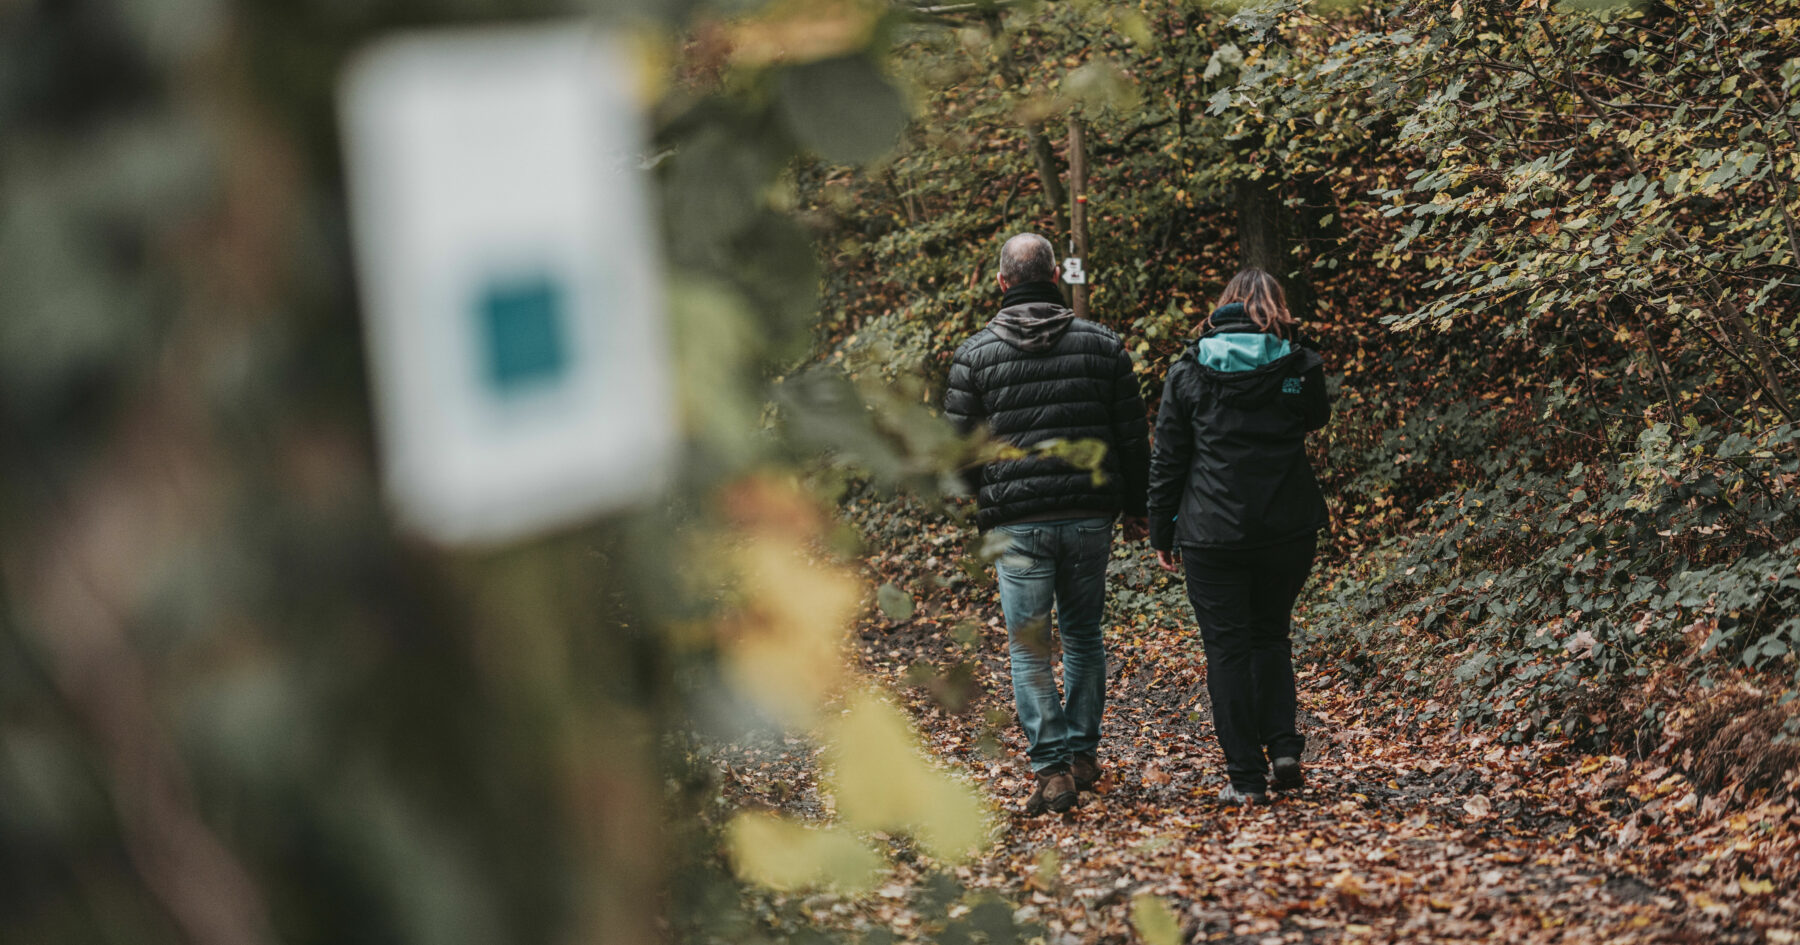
(1404, 832)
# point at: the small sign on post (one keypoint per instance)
(1078, 234)
(509, 276)
(1072, 272)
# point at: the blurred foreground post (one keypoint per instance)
(237, 704)
(558, 630)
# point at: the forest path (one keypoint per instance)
(1395, 838)
(1406, 831)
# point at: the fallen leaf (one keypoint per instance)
(1154, 922)
(895, 603)
(1755, 887)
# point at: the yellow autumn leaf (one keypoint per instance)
(1755, 887)
(1154, 921)
(882, 782)
(798, 31)
(784, 648)
(782, 854)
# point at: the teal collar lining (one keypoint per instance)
(1240, 351)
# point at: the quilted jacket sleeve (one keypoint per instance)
(962, 401)
(1131, 437)
(963, 408)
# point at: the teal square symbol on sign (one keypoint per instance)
(524, 333)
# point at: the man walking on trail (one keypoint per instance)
(1037, 373)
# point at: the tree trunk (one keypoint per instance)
(1263, 240)
(1038, 143)
(1748, 338)
(1045, 157)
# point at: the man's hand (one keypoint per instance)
(1168, 561)
(1137, 528)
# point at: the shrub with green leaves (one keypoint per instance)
(1526, 597)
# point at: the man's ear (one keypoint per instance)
(1000, 278)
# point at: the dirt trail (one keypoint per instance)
(1403, 833)
(1407, 831)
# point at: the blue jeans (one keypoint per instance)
(1058, 564)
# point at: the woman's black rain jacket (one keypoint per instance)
(1228, 468)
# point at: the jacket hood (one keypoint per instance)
(1229, 317)
(1033, 318)
(1243, 365)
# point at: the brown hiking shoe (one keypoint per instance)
(1086, 771)
(1055, 792)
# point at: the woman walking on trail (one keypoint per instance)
(1231, 488)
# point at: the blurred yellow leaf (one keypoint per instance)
(1136, 28)
(1101, 83)
(784, 649)
(1048, 874)
(883, 783)
(652, 55)
(1154, 922)
(781, 854)
(804, 31)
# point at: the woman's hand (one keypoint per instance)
(1168, 561)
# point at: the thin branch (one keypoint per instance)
(980, 9)
(1119, 146)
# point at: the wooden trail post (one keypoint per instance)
(1074, 268)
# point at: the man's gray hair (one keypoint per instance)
(1028, 257)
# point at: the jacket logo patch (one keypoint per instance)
(1292, 385)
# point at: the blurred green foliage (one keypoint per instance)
(235, 705)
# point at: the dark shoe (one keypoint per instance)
(1231, 795)
(1288, 775)
(1055, 792)
(1086, 769)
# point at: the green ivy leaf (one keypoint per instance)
(895, 603)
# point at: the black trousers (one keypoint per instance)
(1244, 601)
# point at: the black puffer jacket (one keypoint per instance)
(1230, 467)
(1037, 373)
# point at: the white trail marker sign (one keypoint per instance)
(510, 279)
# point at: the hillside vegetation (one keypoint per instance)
(1550, 251)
